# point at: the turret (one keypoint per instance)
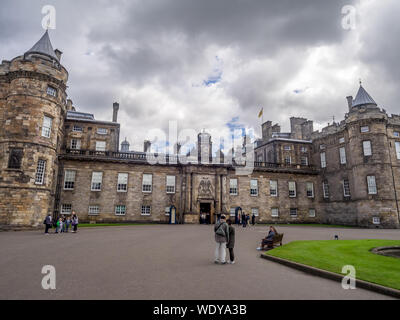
(33, 107)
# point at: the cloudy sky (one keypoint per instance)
(214, 63)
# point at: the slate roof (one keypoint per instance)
(44, 47)
(363, 98)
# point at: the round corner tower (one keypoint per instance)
(32, 111)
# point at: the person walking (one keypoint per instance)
(231, 243)
(75, 222)
(247, 220)
(221, 230)
(253, 219)
(48, 223)
(244, 221)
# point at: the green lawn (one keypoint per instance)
(332, 255)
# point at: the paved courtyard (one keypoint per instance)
(163, 262)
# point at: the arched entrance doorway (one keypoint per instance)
(172, 215)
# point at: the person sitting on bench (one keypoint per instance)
(269, 239)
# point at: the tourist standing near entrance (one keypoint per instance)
(48, 222)
(75, 222)
(231, 243)
(253, 219)
(67, 223)
(244, 221)
(221, 230)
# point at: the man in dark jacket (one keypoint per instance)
(231, 243)
(221, 230)
(48, 223)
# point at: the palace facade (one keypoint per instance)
(55, 159)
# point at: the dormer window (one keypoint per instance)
(51, 91)
(102, 131)
(77, 129)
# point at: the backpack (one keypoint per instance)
(220, 232)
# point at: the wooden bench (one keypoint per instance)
(277, 239)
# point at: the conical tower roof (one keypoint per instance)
(44, 47)
(363, 98)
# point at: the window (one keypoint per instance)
(147, 183)
(94, 210)
(371, 185)
(254, 187)
(273, 188)
(232, 212)
(41, 168)
(167, 211)
(170, 184)
(254, 211)
(66, 209)
(275, 212)
(75, 144)
(292, 189)
(288, 159)
(51, 91)
(311, 213)
(146, 210)
(397, 144)
(97, 178)
(346, 188)
(122, 185)
(365, 129)
(322, 147)
(287, 148)
(102, 131)
(293, 212)
(341, 140)
(396, 134)
(323, 160)
(310, 189)
(342, 153)
(77, 129)
(233, 187)
(120, 210)
(376, 220)
(304, 161)
(69, 180)
(325, 189)
(367, 148)
(46, 127)
(100, 146)
(15, 159)
(304, 149)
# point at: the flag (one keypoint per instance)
(261, 113)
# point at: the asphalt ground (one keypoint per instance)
(164, 262)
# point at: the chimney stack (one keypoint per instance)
(350, 102)
(58, 54)
(115, 111)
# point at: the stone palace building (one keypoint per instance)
(54, 159)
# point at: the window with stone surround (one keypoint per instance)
(273, 188)
(304, 149)
(254, 211)
(346, 188)
(287, 148)
(15, 158)
(325, 189)
(94, 210)
(371, 182)
(310, 189)
(233, 187)
(51, 91)
(40, 171)
(288, 159)
(122, 184)
(120, 210)
(100, 146)
(364, 129)
(367, 148)
(77, 129)
(147, 183)
(275, 212)
(66, 209)
(376, 220)
(311, 213)
(323, 160)
(292, 189)
(102, 131)
(97, 179)
(293, 212)
(341, 140)
(304, 161)
(69, 179)
(254, 187)
(170, 184)
(76, 144)
(46, 126)
(342, 155)
(397, 145)
(396, 134)
(146, 210)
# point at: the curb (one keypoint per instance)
(334, 276)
